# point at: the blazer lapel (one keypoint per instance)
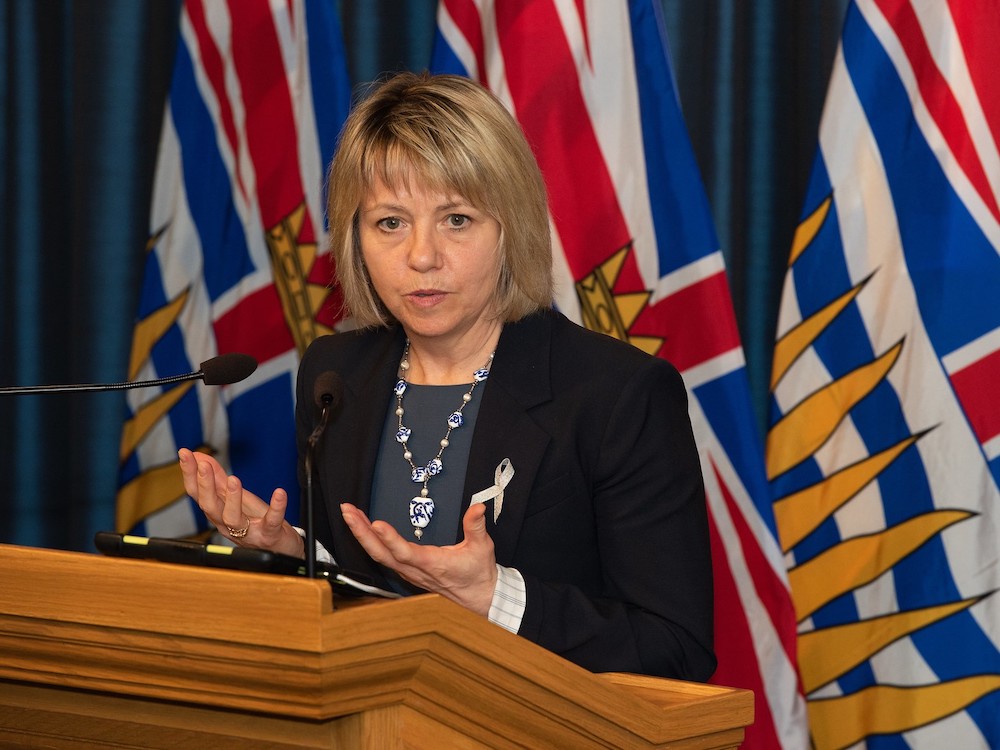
(519, 380)
(352, 441)
(368, 386)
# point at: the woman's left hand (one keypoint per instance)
(466, 572)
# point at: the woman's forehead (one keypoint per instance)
(406, 166)
(415, 188)
(405, 174)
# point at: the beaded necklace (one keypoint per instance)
(422, 506)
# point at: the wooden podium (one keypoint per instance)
(112, 652)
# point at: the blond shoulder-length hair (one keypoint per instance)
(451, 135)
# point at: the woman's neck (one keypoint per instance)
(432, 363)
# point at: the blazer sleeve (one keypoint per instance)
(645, 605)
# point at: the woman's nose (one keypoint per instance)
(424, 251)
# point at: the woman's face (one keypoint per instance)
(434, 261)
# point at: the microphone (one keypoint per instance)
(327, 393)
(222, 370)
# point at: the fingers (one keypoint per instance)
(274, 516)
(186, 460)
(233, 515)
(365, 533)
(354, 518)
(229, 506)
(474, 522)
(189, 470)
(384, 545)
(279, 533)
(199, 483)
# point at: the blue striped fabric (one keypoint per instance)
(906, 227)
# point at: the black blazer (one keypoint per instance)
(605, 516)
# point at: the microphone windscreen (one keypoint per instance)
(328, 390)
(228, 368)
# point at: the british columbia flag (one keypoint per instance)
(884, 447)
(235, 260)
(636, 257)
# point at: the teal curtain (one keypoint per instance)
(82, 89)
(752, 78)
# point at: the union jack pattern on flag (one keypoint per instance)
(636, 257)
(884, 446)
(235, 260)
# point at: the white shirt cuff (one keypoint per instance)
(509, 599)
(322, 555)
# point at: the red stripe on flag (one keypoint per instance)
(975, 386)
(465, 15)
(734, 648)
(549, 104)
(697, 323)
(977, 22)
(733, 642)
(938, 96)
(214, 70)
(269, 116)
(773, 592)
(255, 326)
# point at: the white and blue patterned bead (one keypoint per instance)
(402, 435)
(456, 420)
(480, 375)
(400, 388)
(419, 474)
(435, 467)
(421, 510)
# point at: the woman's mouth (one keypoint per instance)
(426, 296)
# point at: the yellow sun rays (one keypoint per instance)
(829, 652)
(291, 263)
(609, 313)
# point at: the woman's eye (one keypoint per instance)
(458, 220)
(390, 223)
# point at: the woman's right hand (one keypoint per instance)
(237, 513)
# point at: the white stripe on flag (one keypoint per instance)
(714, 368)
(242, 181)
(456, 40)
(939, 145)
(871, 241)
(699, 270)
(778, 675)
(974, 351)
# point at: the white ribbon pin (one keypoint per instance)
(501, 478)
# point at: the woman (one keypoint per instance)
(487, 448)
